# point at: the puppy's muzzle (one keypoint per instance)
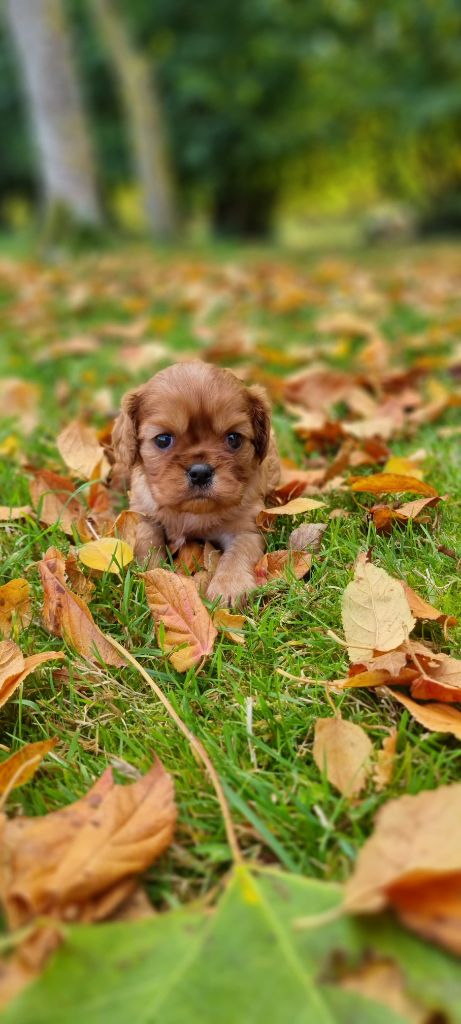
(200, 474)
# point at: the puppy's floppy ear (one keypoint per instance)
(260, 414)
(125, 434)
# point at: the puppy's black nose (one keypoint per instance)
(200, 474)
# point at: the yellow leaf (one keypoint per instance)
(229, 624)
(403, 467)
(391, 483)
(107, 554)
(14, 667)
(22, 765)
(14, 605)
(342, 750)
(295, 507)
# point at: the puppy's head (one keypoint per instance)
(199, 434)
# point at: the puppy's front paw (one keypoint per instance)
(232, 589)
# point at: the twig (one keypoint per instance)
(195, 744)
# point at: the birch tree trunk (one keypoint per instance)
(42, 39)
(134, 73)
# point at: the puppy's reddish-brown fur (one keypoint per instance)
(200, 405)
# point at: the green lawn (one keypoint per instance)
(284, 811)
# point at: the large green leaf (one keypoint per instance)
(244, 963)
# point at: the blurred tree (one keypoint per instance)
(66, 166)
(144, 120)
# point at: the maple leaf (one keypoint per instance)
(375, 612)
(412, 862)
(342, 750)
(67, 615)
(189, 633)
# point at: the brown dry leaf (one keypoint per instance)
(85, 856)
(19, 399)
(293, 508)
(421, 609)
(375, 613)
(8, 514)
(81, 345)
(273, 565)
(433, 716)
(391, 483)
(376, 426)
(14, 605)
(67, 615)
(189, 558)
(385, 760)
(176, 606)
(125, 526)
(80, 584)
(54, 499)
(383, 982)
(22, 765)
(318, 388)
(108, 554)
(308, 535)
(230, 624)
(14, 667)
(412, 862)
(342, 750)
(79, 448)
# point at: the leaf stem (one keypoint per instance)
(196, 745)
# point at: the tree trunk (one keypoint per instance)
(66, 164)
(142, 107)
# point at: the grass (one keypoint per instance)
(284, 810)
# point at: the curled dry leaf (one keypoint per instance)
(391, 483)
(230, 624)
(8, 514)
(108, 554)
(67, 615)
(308, 535)
(14, 605)
(84, 858)
(190, 558)
(14, 667)
(412, 862)
(81, 451)
(188, 633)
(384, 515)
(375, 612)
(293, 508)
(80, 584)
(433, 716)
(53, 496)
(22, 765)
(421, 609)
(385, 760)
(274, 564)
(342, 750)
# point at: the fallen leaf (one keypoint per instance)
(230, 624)
(14, 667)
(433, 716)
(19, 399)
(189, 558)
(79, 448)
(308, 535)
(80, 584)
(71, 859)
(383, 981)
(385, 760)
(180, 617)
(412, 862)
(125, 526)
(421, 609)
(7, 514)
(342, 750)
(67, 615)
(375, 613)
(21, 766)
(108, 554)
(54, 498)
(376, 426)
(318, 388)
(391, 483)
(294, 508)
(14, 605)
(403, 467)
(274, 564)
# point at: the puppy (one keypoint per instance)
(197, 445)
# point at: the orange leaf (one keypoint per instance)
(54, 498)
(274, 564)
(175, 603)
(14, 667)
(342, 750)
(391, 483)
(14, 605)
(22, 765)
(412, 862)
(385, 760)
(294, 508)
(67, 615)
(422, 610)
(435, 717)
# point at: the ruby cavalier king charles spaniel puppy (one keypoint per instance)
(197, 447)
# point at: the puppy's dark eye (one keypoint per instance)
(164, 440)
(234, 440)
